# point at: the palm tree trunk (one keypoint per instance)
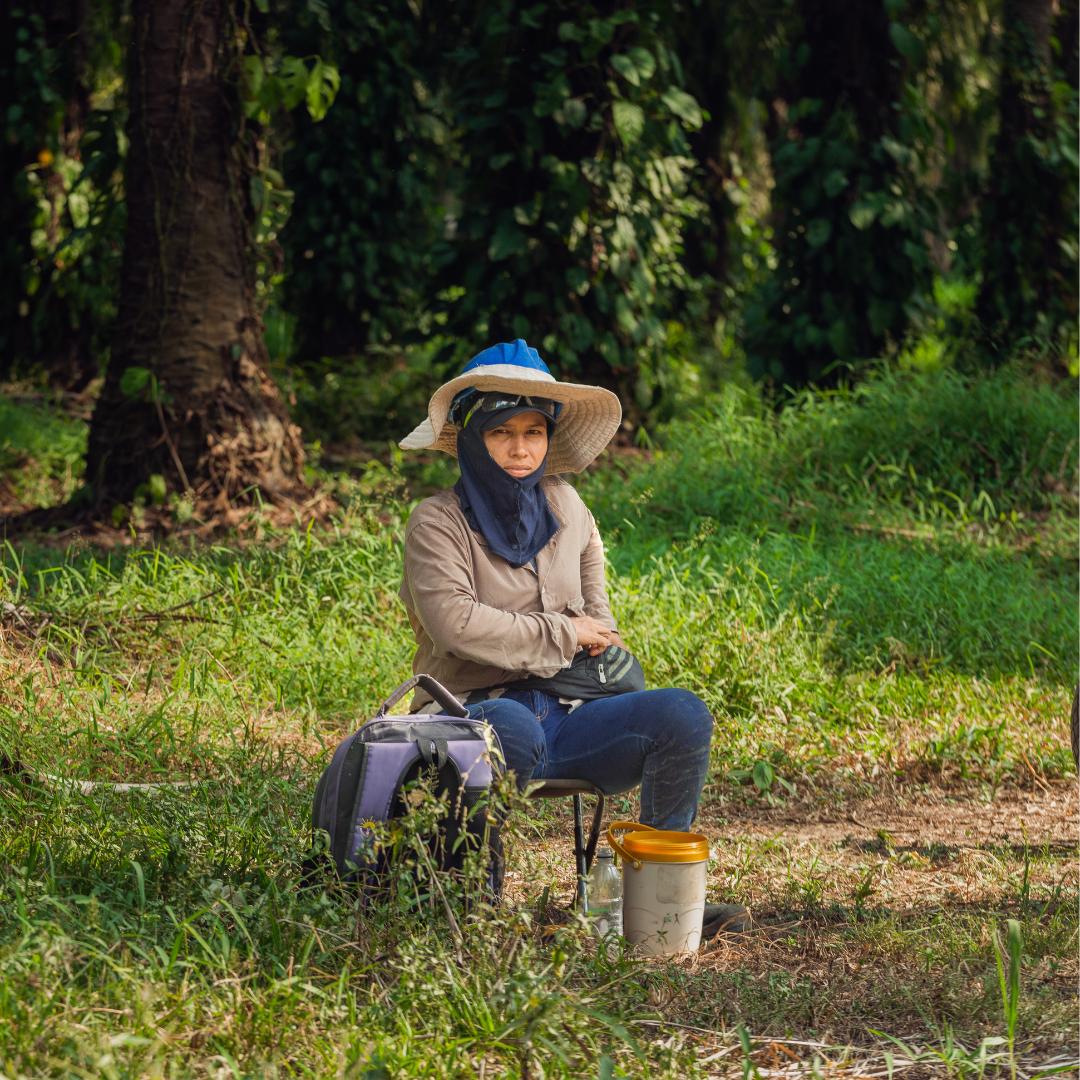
(187, 395)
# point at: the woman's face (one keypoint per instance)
(518, 444)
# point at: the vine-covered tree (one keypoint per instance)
(499, 172)
(573, 185)
(848, 228)
(1029, 213)
(365, 242)
(187, 398)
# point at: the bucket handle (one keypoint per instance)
(626, 826)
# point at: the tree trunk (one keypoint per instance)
(187, 395)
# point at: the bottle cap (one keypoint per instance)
(605, 853)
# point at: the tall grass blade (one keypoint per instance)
(1009, 983)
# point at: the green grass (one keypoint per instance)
(41, 454)
(921, 520)
(833, 583)
(933, 447)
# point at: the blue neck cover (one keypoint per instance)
(511, 514)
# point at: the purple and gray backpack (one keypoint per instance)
(366, 779)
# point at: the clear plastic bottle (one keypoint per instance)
(603, 905)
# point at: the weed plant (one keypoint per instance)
(931, 446)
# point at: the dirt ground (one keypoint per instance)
(819, 879)
(1043, 815)
(937, 845)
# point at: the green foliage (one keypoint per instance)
(548, 205)
(31, 108)
(1030, 259)
(652, 196)
(74, 270)
(850, 222)
(948, 100)
(363, 244)
(64, 134)
(573, 187)
(284, 82)
(274, 83)
(943, 327)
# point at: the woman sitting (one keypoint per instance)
(504, 582)
(504, 586)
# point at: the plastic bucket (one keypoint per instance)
(663, 886)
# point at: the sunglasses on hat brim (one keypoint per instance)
(468, 405)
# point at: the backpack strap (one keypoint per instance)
(349, 793)
(435, 688)
(432, 751)
(376, 789)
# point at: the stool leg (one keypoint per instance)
(579, 852)
(594, 831)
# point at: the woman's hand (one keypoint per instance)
(592, 635)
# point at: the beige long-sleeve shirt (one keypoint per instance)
(480, 622)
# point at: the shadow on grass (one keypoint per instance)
(939, 853)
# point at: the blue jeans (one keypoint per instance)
(656, 738)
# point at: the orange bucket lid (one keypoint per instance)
(644, 844)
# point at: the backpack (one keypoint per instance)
(367, 777)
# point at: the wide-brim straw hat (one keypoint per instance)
(589, 417)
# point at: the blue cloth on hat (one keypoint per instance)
(511, 514)
(508, 352)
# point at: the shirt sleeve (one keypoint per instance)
(440, 581)
(593, 588)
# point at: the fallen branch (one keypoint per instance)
(13, 767)
(87, 787)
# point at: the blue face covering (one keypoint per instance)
(511, 514)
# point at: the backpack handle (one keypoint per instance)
(433, 687)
